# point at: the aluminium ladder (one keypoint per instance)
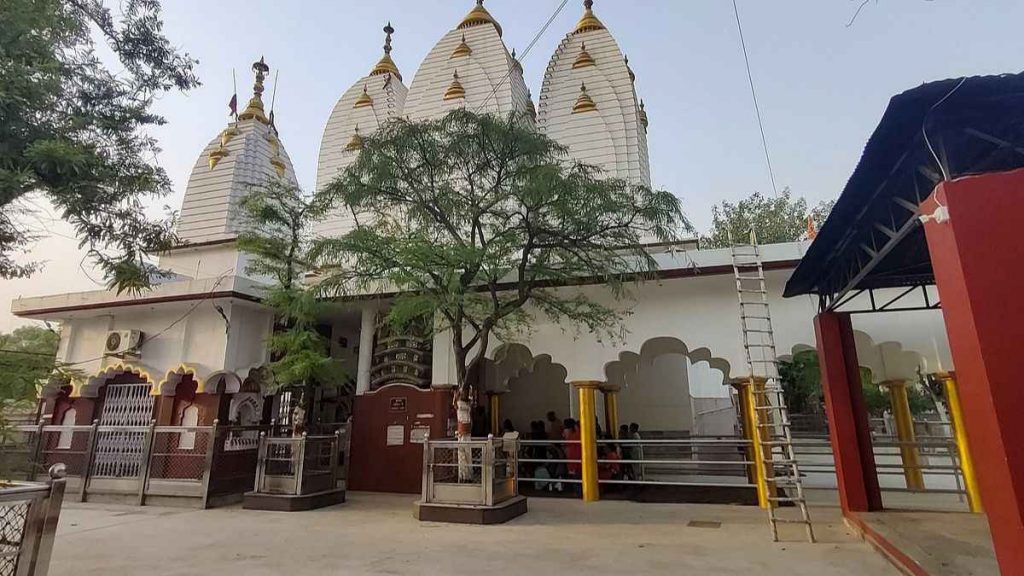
(773, 434)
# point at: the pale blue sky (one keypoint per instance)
(822, 86)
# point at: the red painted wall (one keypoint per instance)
(376, 466)
(976, 256)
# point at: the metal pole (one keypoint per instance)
(588, 439)
(300, 464)
(427, 461)
(963, 448)
(487, 472)
(37, 453)
(611, 408)
(335, 446)
(51, 507)
(209, 461)
(261, 461)
(147, 454)
(905, 434)
(90, 453)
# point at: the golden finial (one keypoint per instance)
(515, 62)
(356, 143)
(584, 59)
(386, 65)
(364, 99)
(643, 116)
(455, 89)
(584, 103)
(462, 49)
(216, 156)
(632, 77)
(254, 110)
(477, 16)
(588, 22)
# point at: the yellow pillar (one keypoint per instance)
(755, 452)
(905, 434)
(611, 409)
(956, 416)
(495, 409)
(588, 438)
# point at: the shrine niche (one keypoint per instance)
(401, 357)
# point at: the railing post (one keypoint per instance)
(300, 463)
(37, 452)
(905, 435)
(51, 506)
(963, 448)
(90, 453)
(487, 471)
(335, 446)
(209, 461)
(147, 445)
(427, 464)
(261, 460)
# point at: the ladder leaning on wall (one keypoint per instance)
(773, 452)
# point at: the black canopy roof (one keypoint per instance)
(937, 131)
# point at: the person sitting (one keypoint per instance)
(610, 469)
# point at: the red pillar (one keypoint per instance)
(847, 415)
(977, 256)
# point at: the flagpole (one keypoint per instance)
(273, 98)
(234, 88)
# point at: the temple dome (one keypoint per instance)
(490, 78)
(601, 125)
(361, 110)
(247, 152)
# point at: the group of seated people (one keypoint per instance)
(550, 463)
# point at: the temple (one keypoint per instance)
(194, 349)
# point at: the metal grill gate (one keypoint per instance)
(119, 453)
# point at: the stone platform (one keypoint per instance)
(292, 503)
(467, 514)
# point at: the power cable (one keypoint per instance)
(529, 46)
(753, 93)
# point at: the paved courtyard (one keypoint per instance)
(376, 534)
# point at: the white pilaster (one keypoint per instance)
(367, 326)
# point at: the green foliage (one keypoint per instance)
(277, 234)
(26, 359)
(73, 132)
(779, 219)
(474, 220)
(801, 385)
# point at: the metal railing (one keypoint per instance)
(28, 524)
(298, 465)
(715, 461)
(197, 462)
(475, 472)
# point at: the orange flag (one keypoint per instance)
(812, 232)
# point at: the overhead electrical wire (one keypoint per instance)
(529, 46)
(753, 94)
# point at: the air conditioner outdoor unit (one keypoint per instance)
(120, 342)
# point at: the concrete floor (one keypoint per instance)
(376, 534)
(942, 543)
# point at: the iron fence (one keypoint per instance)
(28, 524)
(298, 465)
(478, 472)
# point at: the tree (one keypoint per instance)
(779, 219)
(73, 132)
(479, 224)
(26, 359)
(279, 225)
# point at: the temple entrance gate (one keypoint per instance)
(119, 452)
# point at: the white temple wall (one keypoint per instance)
(701, 312)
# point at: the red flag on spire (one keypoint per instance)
(812, 231)
(233, 105)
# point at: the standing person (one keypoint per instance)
(628, 452)
(634, 434)
(573, 448)
(555, 427)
